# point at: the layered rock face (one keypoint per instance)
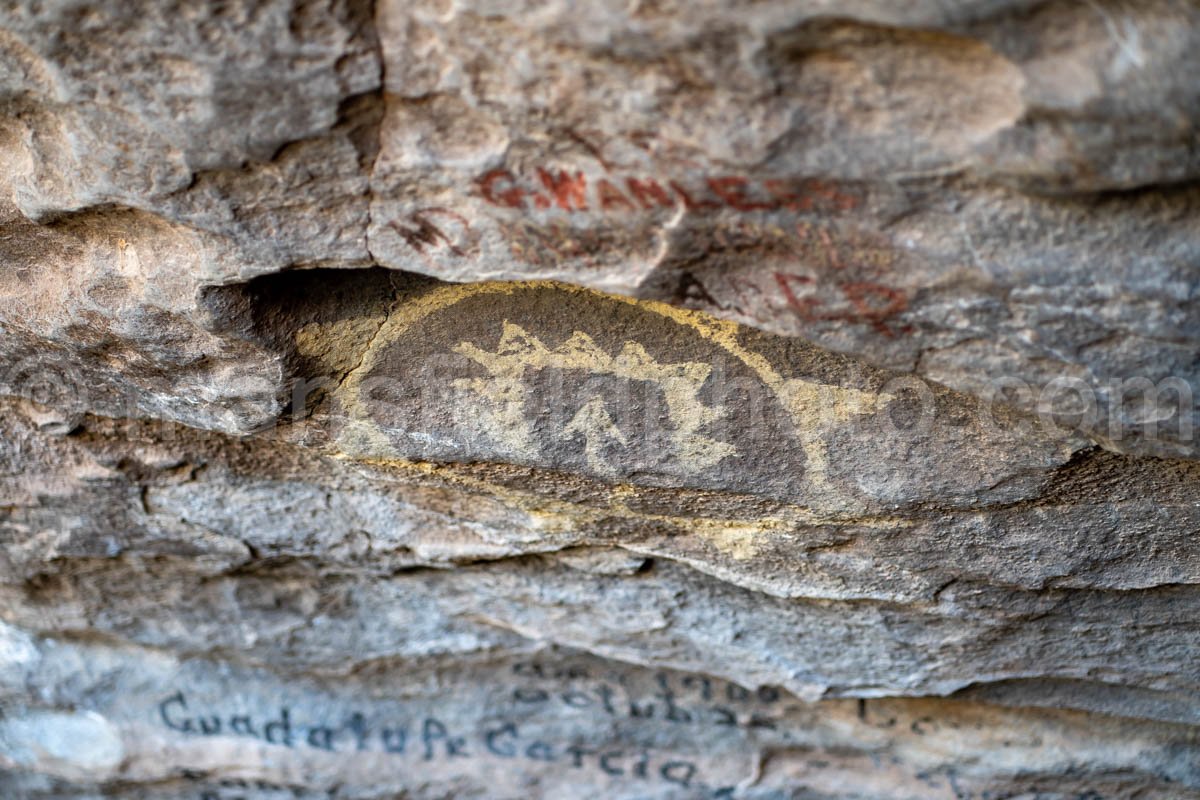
(452, 398)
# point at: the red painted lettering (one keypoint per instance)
(512, 197)
(649, 192)
(569, 192)
(804, 305)
(733, 191)
(876, 314)
(692, 204)
(611, 196)
(836, 198)
(782, 192)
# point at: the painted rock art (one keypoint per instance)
(624, 391)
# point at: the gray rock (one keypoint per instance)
(996, 197)
(606, 400)
(551, 722)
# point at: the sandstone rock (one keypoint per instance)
(1000, 194)
(555, 722)
(472, 399)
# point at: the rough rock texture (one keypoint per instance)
(614, 400)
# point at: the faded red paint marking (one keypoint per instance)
(649, 193)
(735, 194)
(862, 296)
(421, 233)
(571, 191)
(851, 266)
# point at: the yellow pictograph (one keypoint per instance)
(504, 390)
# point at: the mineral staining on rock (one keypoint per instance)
(612, 400)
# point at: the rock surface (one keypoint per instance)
(616, 400)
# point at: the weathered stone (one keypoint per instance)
(652, 400)
(555, 722)
(913, 187)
